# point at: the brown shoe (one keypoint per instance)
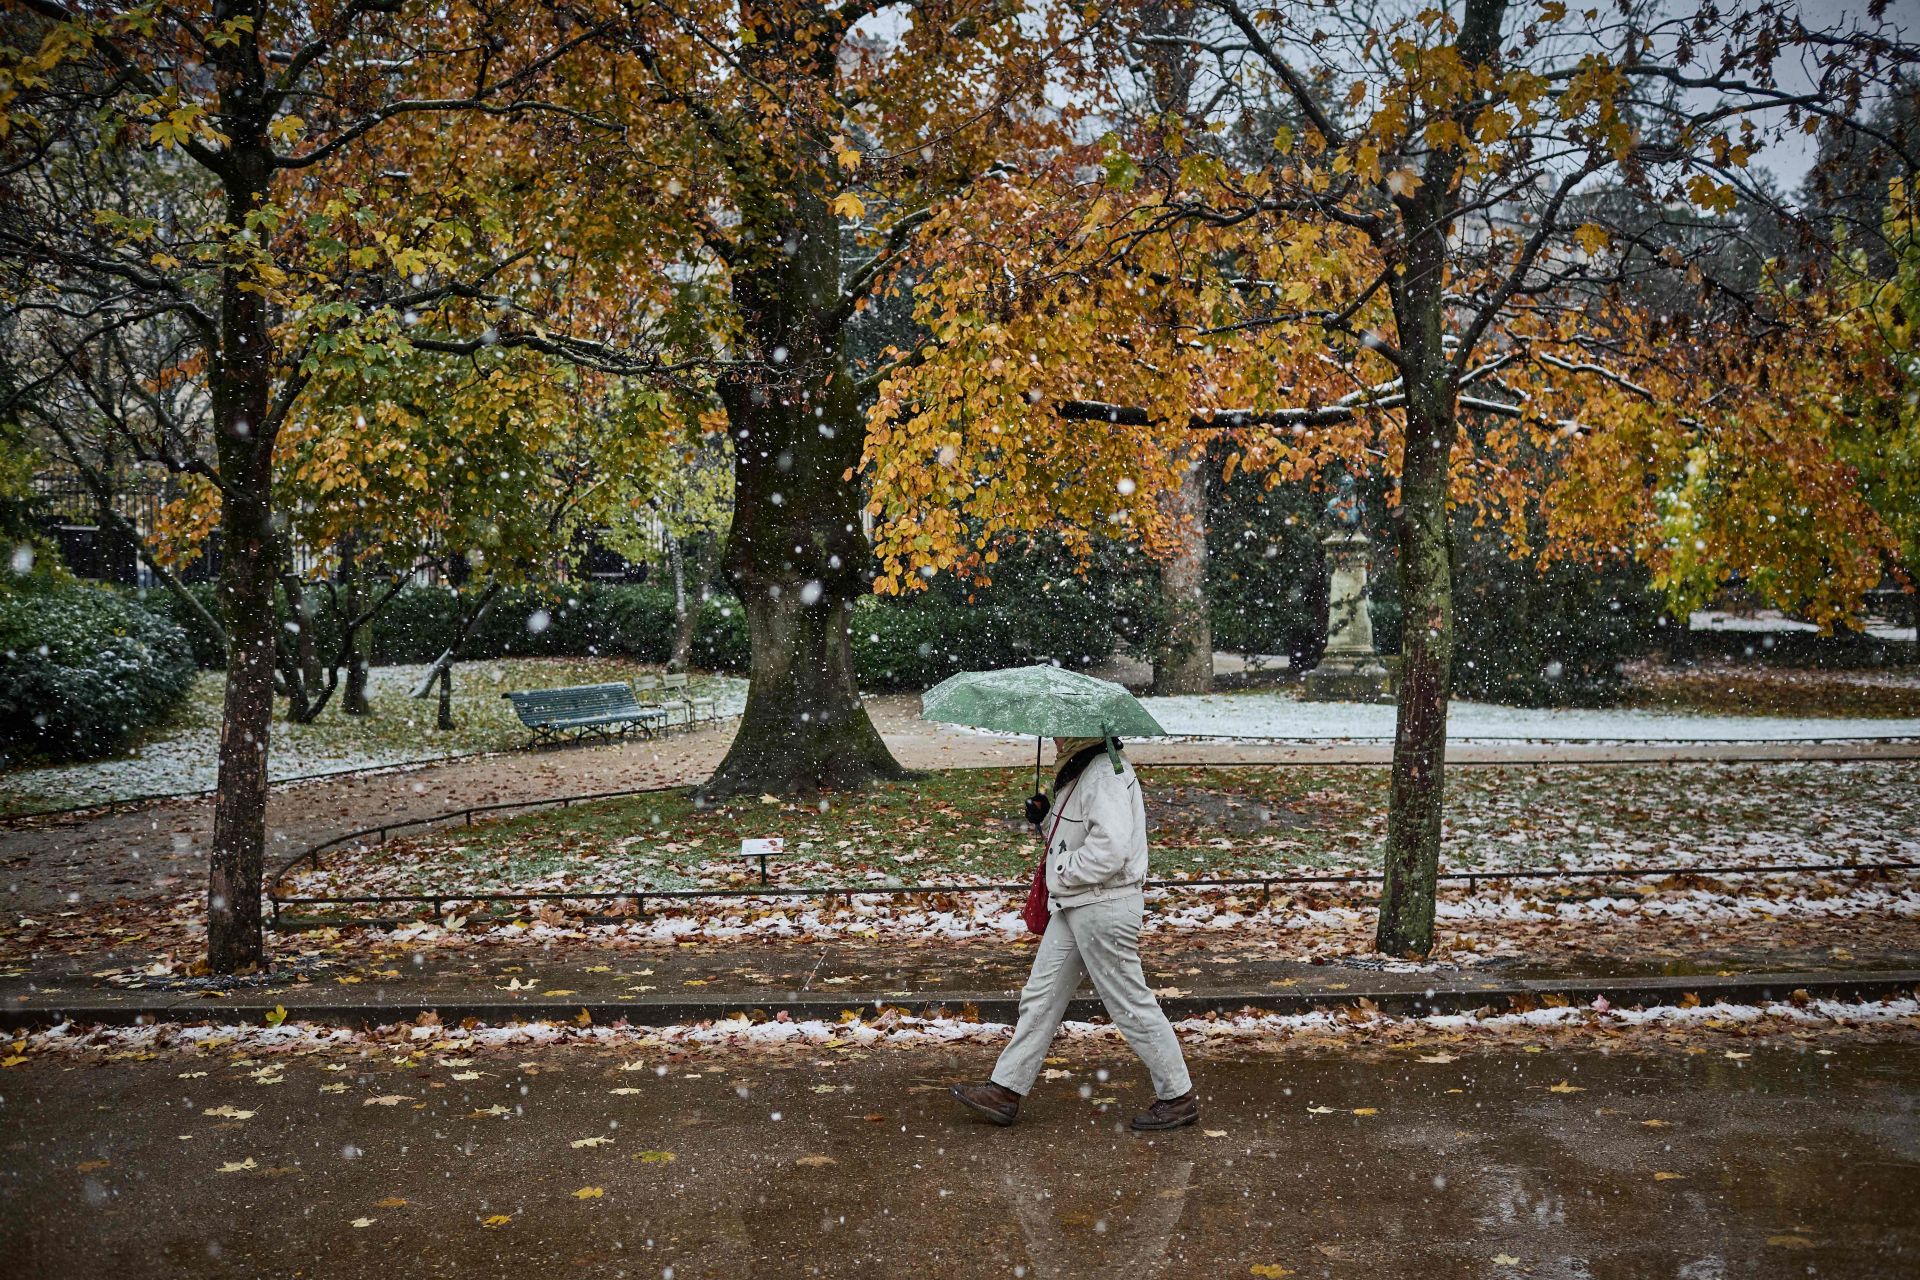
(996, 1102)
(1169, 1113)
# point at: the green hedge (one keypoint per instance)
(1026, 616)
(85, 669)
(588, 620)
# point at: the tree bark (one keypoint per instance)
(242, 386)
(796, 553)
(689, 599)
(1418, 295)
(1183, 661)
(359, 641)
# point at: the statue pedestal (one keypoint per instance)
(1350, 670)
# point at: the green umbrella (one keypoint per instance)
(1050, 702)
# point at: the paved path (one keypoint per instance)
(57, 864)
(1720, 1159)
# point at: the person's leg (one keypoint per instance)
(1056, 975)
(1107, 935)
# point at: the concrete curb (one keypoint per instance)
(990, 1006)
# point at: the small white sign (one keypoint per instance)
(762, 848)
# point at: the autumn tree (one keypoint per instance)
(781, 156)
(1420, 255)
(217, 168)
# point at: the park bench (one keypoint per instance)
(600, 710)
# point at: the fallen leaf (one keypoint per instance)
(90, 1166)
(1564, 1087)
(497, 1220)
(228, 1111)
(589, 1193)
(391, 1202)
(1790, 1242)
(361, 1222)
(874, 1116)
(235, 1166)
(1366, 1111)
(1215, 1133)
(276, 1015)
(1440, 1057)
(816, 1162)
(591, 1142)
(387, 1100)
(1669, 1177)
(1505, 1260)
(622, 1092)
(464, 1076)
(1271, 1270)
(1655, 1124)
(655, 1157)
(1736, 1056)
(1319, 1111)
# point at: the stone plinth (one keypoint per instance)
(1350, 670)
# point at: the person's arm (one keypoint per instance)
(1109, 821)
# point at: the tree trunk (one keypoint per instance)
(692, 599)
(1412, 860)
(796, 553)
(1183, 661)
(242, 385)
(682, 632)
(1418, 291)
(353, 699)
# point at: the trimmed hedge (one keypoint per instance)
(85, 669)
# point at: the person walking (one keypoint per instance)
(1095, 830)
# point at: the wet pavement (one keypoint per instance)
(1721, 1159)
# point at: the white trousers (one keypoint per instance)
(1102, 941)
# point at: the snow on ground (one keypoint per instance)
(1276, 713)
(1772, 621)
(895, 1028)
(185, 757)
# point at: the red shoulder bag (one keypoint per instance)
(1038, 912)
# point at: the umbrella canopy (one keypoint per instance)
(1051, 702)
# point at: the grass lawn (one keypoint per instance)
(964, 825)
(180, 755)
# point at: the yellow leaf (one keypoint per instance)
(848, 159)
(589, 1193)
(361, 1222)
(1505, 1260)
(1592, 238)
(847, 205)
(497, 1220)
(816, 1162)
(276, 1015)
(1564, 1087)
(391, 1202)
(1664, 1176)
(1271, 1270)
(655, 1157)
(228, 1111)
(237, 1166)
(1366, 1111)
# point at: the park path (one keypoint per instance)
(1717, 1155)
(67, 863)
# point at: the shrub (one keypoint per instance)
(1552, 636)
(85, 670)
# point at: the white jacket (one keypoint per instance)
(1096, 836)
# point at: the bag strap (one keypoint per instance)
(1058, 808)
